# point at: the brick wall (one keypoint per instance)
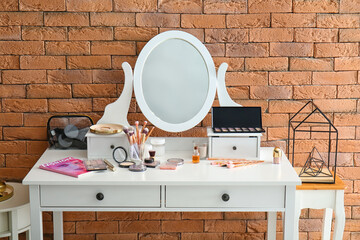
(64, 56)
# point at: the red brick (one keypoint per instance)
(48, 91)
(12, 91)
(275, 120)
(135, 5)
(248, 20)
(9, 62)
(37, 147)
(347, 119)
(108, 76)
(21, 18)
(335, 78)
(244, 236)
(111, 216)
(226, 35)
(263, 64)
(10, 33)
(90, 33)
(202, 236)
(247, 49)
(113, 48)
(346, 133)
(9, 5)
(11, 119)
(180, 6)
(99, 104)
(198, 33)
(286, 20)
(349, 146)
(94, 90)
(159, 216)
(338, 21)
(36, 119)
(291, 49)
(66, 19)
(244, 215)
(246, 78)
(70, 105)
(97, 227)
(42, 62)
(42, 5)
(117, 61)
(216, 49)
(140, 226)
(260, 6)
(347, 63)
(13, 174)
(69, 76)
(311, 64)
(315, 35)
(225, 226)
(23, 76)
(89, 62)
(350, 6)
(24, 133)
(271, 35)
(89, 6)
(22, 47)
(290, 78)
(316, 6)
(69, 236)
(12, 147)
(202, 215)
(235, 64)
(285, 106)
(270, 92)
(135, 33)
(238, 92)
(336, 50)
(202, 21)
(68, 48)
(336, 105)
(349, 91)
(16, 160)
(24, 105)
(78, 216)
(182, 226)
(112, 19)
(313, 92)
(349, 35)
(115, 236)
(44, 33)
(218, 6)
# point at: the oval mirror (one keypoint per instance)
(174, 81)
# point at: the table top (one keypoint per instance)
(20, 198)
(338, 185)
(188, 174)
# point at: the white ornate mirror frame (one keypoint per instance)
(117, 112)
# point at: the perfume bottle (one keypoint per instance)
(196, 155)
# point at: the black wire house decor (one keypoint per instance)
(312, 145)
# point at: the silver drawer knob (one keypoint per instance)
(234, 148)
(99, 196)
(225, 197)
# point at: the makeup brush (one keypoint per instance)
(152, 129)
(126, 131)
(137, 131)
(145, 131)
(143, 128)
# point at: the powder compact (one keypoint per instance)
(177, 161)
(120, 156)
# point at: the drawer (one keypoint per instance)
(103, 146)
(212, 196)
(235, 147)
(113, 196)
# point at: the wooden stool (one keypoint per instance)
(318, 196)
(15, 213)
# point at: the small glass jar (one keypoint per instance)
(158, 145)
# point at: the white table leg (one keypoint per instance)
(28, 234)
(35, 213)
(13, 225)
(326, 228)
(298, 207)
(271, 228)
(290, 218)
(58, 225)
(339, 215)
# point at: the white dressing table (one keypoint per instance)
(192, 187)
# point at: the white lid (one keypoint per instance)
(157, 141)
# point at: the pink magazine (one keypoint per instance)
(68, 166)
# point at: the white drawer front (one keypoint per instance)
(228, 147)
(113, 196)
(211, 196)
(102, 147)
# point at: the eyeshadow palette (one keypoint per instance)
(237, 120)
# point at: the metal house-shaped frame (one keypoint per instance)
(312, 136)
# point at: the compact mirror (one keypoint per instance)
(174, 81)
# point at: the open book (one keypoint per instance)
(68, 166)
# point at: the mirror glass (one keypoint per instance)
(174, 81)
